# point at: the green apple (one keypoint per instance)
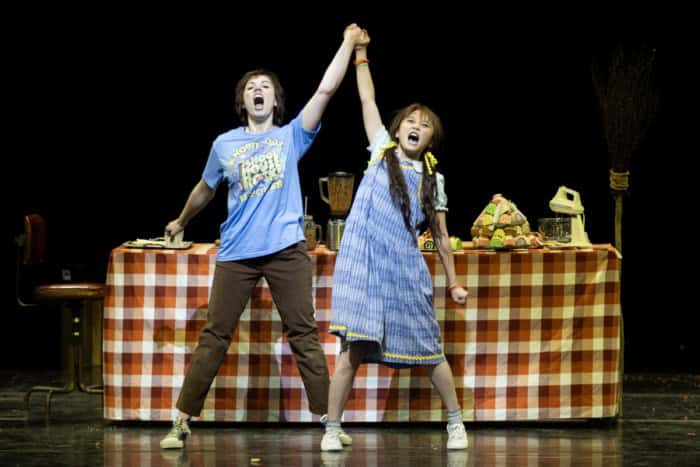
(455, 243)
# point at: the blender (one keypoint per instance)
(340, 186)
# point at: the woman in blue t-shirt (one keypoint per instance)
(262, 235)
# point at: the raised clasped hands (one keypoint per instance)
(356, 35)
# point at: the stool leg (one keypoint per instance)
(68, 387)
(95, 389)
(75, 367)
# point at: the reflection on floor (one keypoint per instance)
(659, 427)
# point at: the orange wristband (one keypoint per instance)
(360, 61)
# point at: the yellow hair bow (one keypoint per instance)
(430, 161)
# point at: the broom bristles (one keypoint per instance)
(628, 103)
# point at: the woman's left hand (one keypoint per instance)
(459, 295)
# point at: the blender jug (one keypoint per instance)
(340, 188)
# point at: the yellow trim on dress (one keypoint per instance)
(336, 327)
(412, 357)
(386, 354)
(354, 334)
(408, 166)
(420, 193)
(380, 153)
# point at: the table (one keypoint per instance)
(539, 339)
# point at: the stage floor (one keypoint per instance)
(659, 426)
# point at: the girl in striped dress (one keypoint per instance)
(382, 290)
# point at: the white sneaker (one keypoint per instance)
(345, 438)
(175, 439)
(457, 436)
(331, 440)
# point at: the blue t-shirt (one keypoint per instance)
(265, 211)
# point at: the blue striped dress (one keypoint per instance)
(382, 289)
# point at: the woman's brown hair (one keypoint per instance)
(278, 117)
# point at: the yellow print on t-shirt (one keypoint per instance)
(248, 147)
(274, 142)
(255, 166)
(260, 169)
(276, 185)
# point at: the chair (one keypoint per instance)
(76, 298)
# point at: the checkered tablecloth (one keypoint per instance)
(539, 339)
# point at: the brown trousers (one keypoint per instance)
(288, 273)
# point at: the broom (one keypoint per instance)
(625, 91)
(628, 103)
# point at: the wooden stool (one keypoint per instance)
(76, 298)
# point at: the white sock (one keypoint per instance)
(454, 416)
(330, 425)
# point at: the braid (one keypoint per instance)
(397, 186)
(428, 197)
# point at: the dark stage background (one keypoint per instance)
(111, 121)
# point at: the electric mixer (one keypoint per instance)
(568, 201)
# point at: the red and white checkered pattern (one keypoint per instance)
(538, 339)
